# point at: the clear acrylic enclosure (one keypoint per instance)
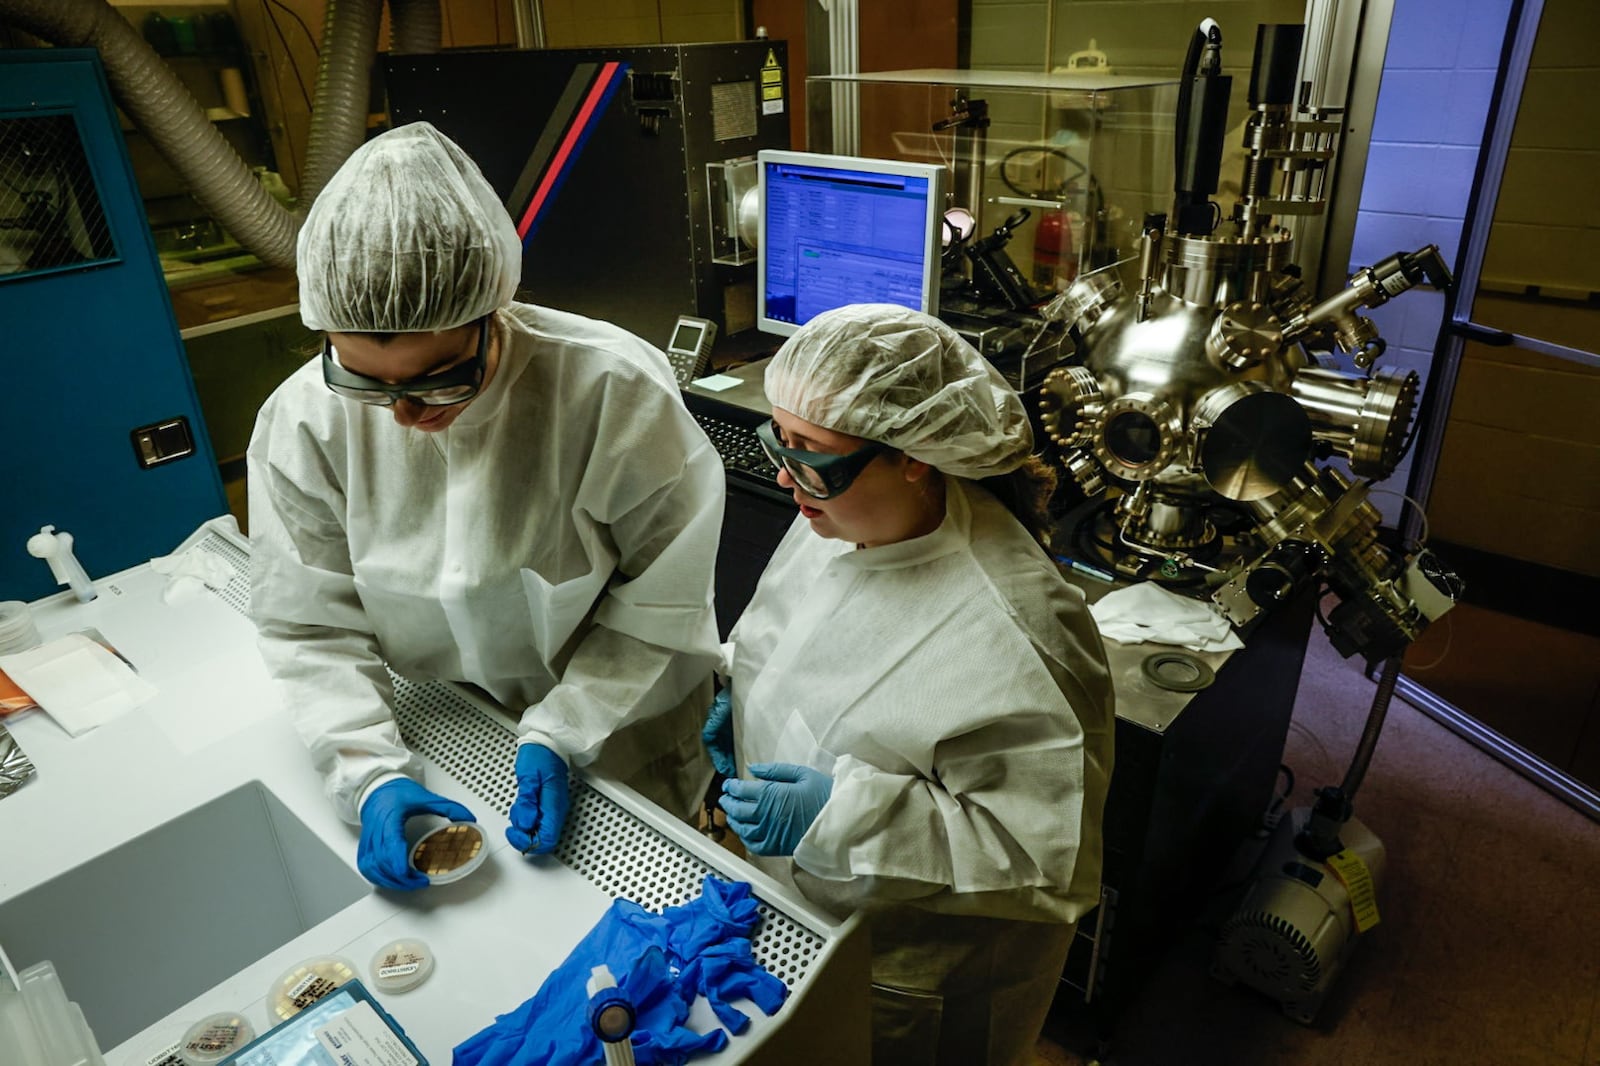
(1084, 154)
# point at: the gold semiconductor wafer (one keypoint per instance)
(447, 849)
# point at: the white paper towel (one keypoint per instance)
(77, 681)
(190, 571)
(1148, 612)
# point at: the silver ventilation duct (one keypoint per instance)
(164, 110)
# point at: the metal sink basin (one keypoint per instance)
(141, 930)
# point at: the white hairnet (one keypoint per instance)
(407, 237)
(895, 375)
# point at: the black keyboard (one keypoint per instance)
(739, 449)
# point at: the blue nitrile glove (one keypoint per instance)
(718, 733)
(542, 801)
(725, 972)
(771, 815)
(383, 856)
(662, 962)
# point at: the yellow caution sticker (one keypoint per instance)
(1353, 874)
(771, 84)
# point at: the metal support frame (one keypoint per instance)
(1346, 41)
(1446, 363)
(529, 15)
(1499, 126)
(838, 22)
(1563, 786)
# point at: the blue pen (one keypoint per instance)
(1086, 570)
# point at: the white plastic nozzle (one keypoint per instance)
(56, 549)
(599, 978)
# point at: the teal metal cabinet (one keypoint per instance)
(103, 432)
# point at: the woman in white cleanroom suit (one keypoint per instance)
(921, 715)
(469, 488)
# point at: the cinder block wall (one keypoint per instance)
(1519, 468)
(1438, 75)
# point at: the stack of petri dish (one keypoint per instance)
(17, 631)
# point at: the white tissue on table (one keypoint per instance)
(77, 682)
(1148, 612)
(190, 571)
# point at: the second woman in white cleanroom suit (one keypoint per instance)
(921, 712)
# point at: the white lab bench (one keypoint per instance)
(175, 862)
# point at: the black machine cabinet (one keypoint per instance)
(613, 161)
(1192, 777)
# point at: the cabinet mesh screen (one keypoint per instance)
(50, 213)
(733, 110)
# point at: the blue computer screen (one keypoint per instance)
(833, 234)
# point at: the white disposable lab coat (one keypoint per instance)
(956, 689)
(554, 546)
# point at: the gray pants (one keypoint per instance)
(953, 990)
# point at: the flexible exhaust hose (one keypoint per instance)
(414, 27)
(163, 108)
(339, 118)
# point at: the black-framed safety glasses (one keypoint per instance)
(817, 474)
(458, 384)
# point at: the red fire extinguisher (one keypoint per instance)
(1055, 263)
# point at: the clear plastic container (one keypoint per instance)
(42, 1026)
(17, 631)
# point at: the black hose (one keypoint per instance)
(1191, 67)
(1369, 732)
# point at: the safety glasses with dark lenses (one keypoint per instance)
(458, 384)
(817, 474)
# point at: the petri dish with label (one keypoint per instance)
(214, 1038)
(401, 965)
(304, 983)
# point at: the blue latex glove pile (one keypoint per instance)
(662, 961)
(773, 813)
(383, 856)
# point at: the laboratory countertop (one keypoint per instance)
(136, 860)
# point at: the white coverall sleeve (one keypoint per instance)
(654, 637)
(1000, 813)
(316, 640)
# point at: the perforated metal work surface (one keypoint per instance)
(602, 842)
(237, 592)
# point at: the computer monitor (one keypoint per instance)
(839, 230)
